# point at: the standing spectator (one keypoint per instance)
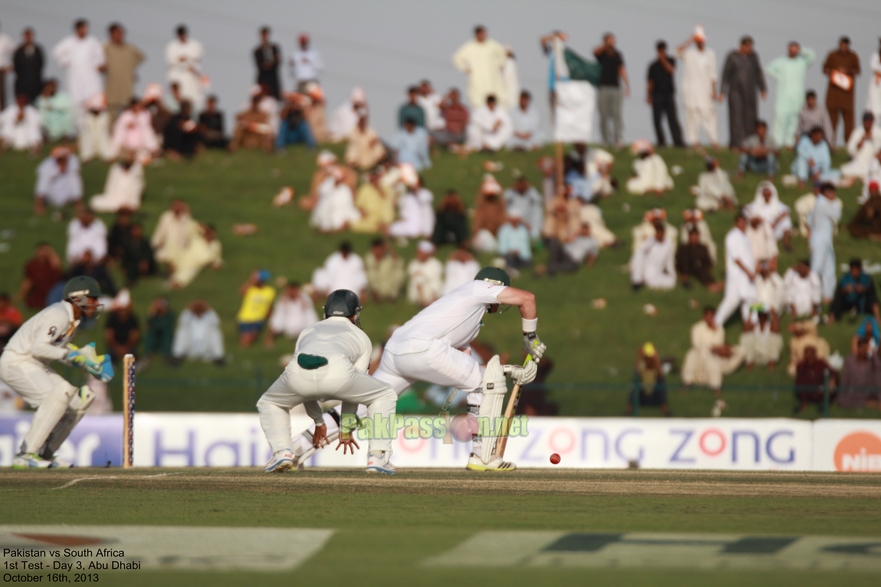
(20, 127)
(822, 222)
(758, 153)
(873, 102)
(411, 110)
(211, 133)
(160, 329)
(41, 273)
(292, 313)
(813, 115)
(860, 377)
(456, 117)
(57, 112)
(661, 95)
(83, 57)
(862, 146)
(523, 199)
(489, 128)
(184, 59)
(698, 88)
(198, 335)
(365, 149)
(524, 125)
(812, 375)
(385, 272)
(426, 276)
(267, 57)
(10, 319)
(740, 273)
(742, 78)
(134, 132)
(257, 297)
(306, 64)
(514, 242)
(460, 268)
(86, 233)
(122, 331)
(7, 46)
(123, 60)
(709, 358)
(451, 224)
(483, 60)
(610, 95)
(28, 61)
(802, 291)
(842, 66)
(58, 181)
(855, 293)
(650, 385)
(410, 145)
(790, 72)
(137, 255)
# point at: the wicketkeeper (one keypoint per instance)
(24, 366)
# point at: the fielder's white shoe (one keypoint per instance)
(30, 461)
(281, 461)
(379, 462)
(475, 463)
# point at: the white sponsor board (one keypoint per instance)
(847, 446)
(88, 548)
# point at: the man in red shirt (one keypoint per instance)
(455, 121)
(41, 274)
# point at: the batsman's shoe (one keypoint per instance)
(281, 461)
(59, 464)
(30, 461)
(475, 463)
(380, 462)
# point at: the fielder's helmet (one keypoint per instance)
(79, 289)
(342, 302)
(493, 275)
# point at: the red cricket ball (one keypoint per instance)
(555, 458)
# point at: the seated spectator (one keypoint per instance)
(173, 231)
(335, 209)
(567, 256)
(41, 273)
(860, 377)
(514, 242)
(862, 145)
(411, 109)
(119, 235)
(410, 145)
(770, 289)
(461, 267)
(314, 110)
(181, 134)
(455, 116)
(293, 128)
(767, 206)
(385, 272)
(133, 131)
(654, 265)
(562, 217)
(714, 190)
(523, 199)
(803, 207)
(867, 221)
(10, 319)
(345, 117)
(758, 153)
(804, 335)
(155, 106)
(267, 104)
(599, 170)
(813, 159)
(646, 230)
(761, 340)
(855, 293)
(813, 375)
(649, 382)
(292, 313)
(451, 221)
(761, 239)
(137, 255)
(327, 167)
(97, 270)
(650, 171)
(873, 176)
(591, 215)
(160, 330)
(426, 208)
(430, 102)
(20, 127)
(174, 99)
(410, 223)
(86, 233)
(425, 275)
(575, 178)
(813, 114)
(253, 130)
(693, 219)
(489, 215)
(802, 291)
(94, 137)
(868, 328)
(709, 358)
(210, 127)
(57, 112)
(122, 332)
(123, 188)
(376, 203)
(58, 181)
(202, 250)
(342, 270)
(525, 134)
(489, 128)
(693, 260)
(365, 149)
(198, 335)
(257, 297)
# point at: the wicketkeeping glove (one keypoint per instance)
(104, 371)
(522, 375)
(83, 357)
(533, 345)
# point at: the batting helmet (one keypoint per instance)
(344, 303)
(493, 275)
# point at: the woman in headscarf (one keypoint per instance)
(772, 211)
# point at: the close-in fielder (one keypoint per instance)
(24, 366)
(330, 362)
(433, 346)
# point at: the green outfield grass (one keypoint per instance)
(590, 346)
(386, 529)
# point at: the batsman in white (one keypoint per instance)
(433, 346)
(24, 366)
(330, 362)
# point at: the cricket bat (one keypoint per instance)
(509, 413)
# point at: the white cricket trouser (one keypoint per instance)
(697, 118)
(41, 388)
(337, 380)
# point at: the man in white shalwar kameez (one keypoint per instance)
(740, 273)
(59, 182)
(646, 229)
(425, 276)
(822, 222)
(460, 268)
(292, 313)
(714, 190)
(20, 126)
(654, 264)
(770, 290)
(697, 89)
(651, 171)
(203, 250)
(341, 270)
(198, 335)
(94, 139)
(335, 209)
(123, 189)
(802, 290)
(489, 128)
(525, 134)
(771, 210)
(184, 58)
(761, 340)
(82, 55)
(172, 233)
(862, 146)
(483, 60)
(709, 358)
(346, 116)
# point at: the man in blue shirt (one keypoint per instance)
(855, 293)
(411, 145)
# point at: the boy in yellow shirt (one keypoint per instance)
(257, 297)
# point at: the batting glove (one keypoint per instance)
(522, 375)
(533, 345)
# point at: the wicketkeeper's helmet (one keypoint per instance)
(343, 302)
(79, 289)
(493, 275)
